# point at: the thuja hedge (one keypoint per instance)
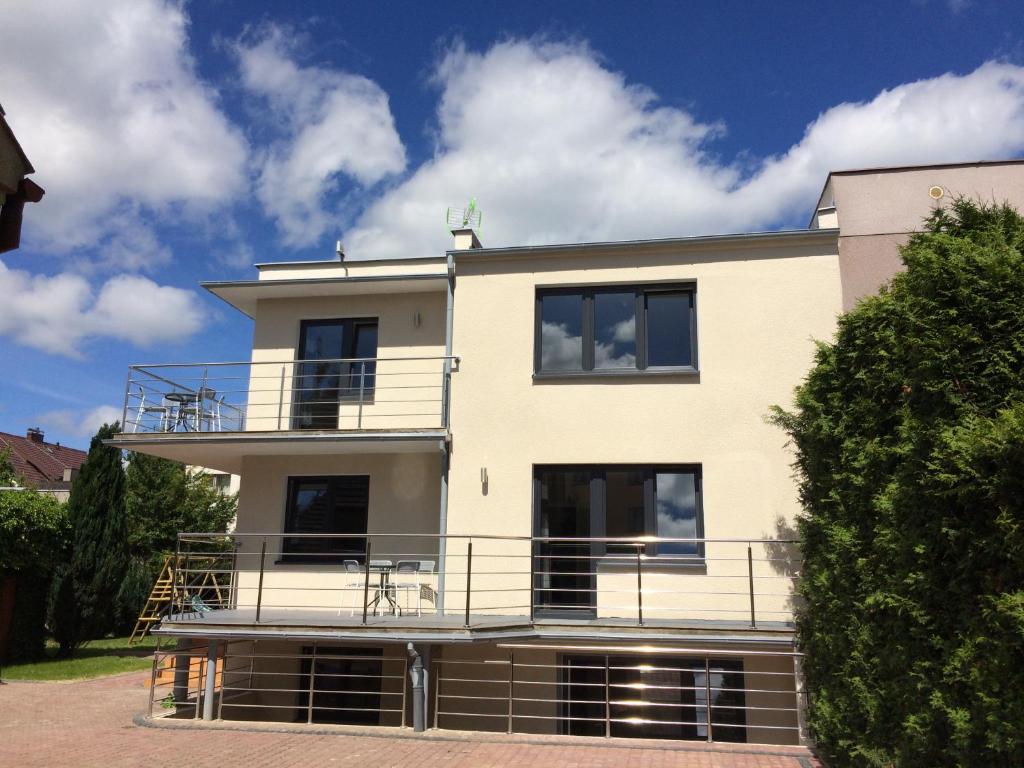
(909, 434)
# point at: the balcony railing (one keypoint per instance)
(355, 394)
(480, 581)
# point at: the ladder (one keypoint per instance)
(159, 598)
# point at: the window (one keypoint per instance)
(326, 505)
(652, 697)
(622, 502)
(616, 329)
(322, 380)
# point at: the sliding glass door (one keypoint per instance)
(322, 380)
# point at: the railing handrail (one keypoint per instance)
(550, 539)
(142, 366)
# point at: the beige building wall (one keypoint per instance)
(760, 308)
(404, 492)
(408, 392)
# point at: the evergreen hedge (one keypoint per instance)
(909, 433)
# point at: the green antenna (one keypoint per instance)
(464, 218)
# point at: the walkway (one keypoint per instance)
(90, 723)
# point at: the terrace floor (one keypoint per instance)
(312, 622)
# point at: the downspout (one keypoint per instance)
(442, 524)
(416, 679)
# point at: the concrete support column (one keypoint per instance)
(211, 680)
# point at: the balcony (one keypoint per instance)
(446, 585)
(255, 407)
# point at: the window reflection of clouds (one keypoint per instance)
(677, 511)
(615, 330)
(560, 350)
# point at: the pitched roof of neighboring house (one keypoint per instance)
(42, 464)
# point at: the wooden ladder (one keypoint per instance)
(159, 598)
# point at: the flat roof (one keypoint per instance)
(694, 241)
(888, 168)
(243, 294)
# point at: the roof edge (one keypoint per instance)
(692, 241)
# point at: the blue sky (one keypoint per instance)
(182, 142)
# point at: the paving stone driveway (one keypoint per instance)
(90, 723)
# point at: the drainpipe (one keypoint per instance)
(442, 546)
(211, 679)
(416, 674)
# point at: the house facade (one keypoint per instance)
(48, 468)
(528, 489)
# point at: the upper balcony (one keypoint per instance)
(214, 413)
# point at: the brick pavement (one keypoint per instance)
(90, 723)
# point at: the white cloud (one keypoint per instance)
(58, 313)
(107, 104)
(338, 128)
(556, 147)
(80, 423)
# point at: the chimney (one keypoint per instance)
(35, 434)
(339, 250)
(465, 239)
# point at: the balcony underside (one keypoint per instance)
(223, 451)
(312, 623)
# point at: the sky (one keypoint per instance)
(184, 141)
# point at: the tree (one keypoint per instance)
(8, 476)
(84, 592)
(163, 499)
(33, 536)
(908, 433)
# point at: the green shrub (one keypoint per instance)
(909, 434)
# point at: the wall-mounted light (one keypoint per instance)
(417, 320)
(483, 475)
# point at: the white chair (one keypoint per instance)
(412, 576)
(161, 410)
(354, 583)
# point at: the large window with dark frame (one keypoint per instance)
(326, 505)
(616, 329)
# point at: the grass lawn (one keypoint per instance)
(96, 658)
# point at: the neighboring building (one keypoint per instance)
(224, 482)
(15, 188)
(876, 209)
(507, 489)
(46, 467)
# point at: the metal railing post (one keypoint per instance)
(750, 580)
(607, 700)
(259, 586)
(280, 397)
(312, 685)
(437, 692)
(533, 580)
(639, 585)
(362, 389)
(201, 400)
(511, 686)
(174, 574)
(707, 693)
(127, 394)
(469, 576)
(366, 580)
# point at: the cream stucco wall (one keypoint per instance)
(332, 269)
(759, 311)
(408, 392)
(404, 492)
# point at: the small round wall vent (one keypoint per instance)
(936, 192)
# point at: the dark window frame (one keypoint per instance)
(300, 557)
(641, 292)
(599, 504)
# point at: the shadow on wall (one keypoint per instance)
(784, 555)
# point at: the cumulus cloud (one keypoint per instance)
(58, 313)
(80, 423)
(557, 147)
(338, 131)
(107, 104)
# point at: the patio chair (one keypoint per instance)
(353, 584)
(412, 576)
(198, 413)
(162, 411)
